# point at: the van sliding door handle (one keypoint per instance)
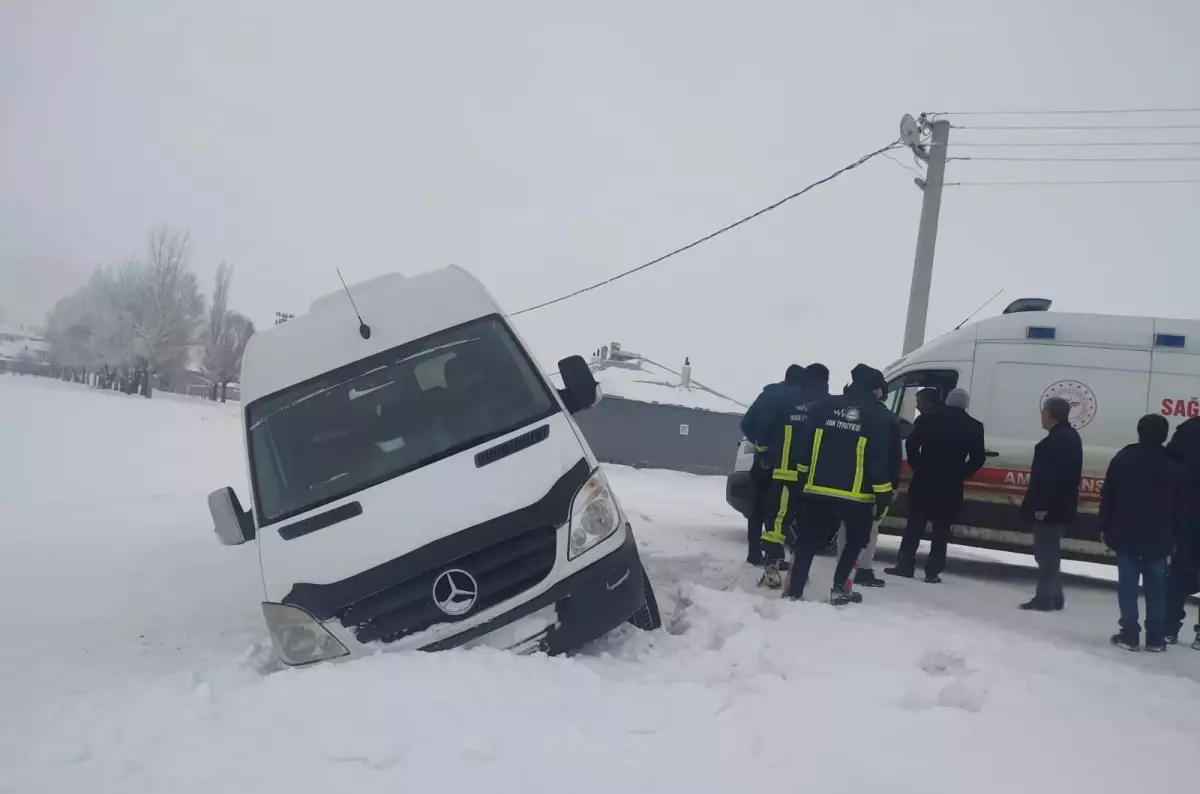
(989, 454)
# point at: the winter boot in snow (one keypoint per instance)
(932, 578)
(770, 577)
(1156, 645)
(1171, 639)
(839, 597)
(1125, 640)
(865, 577)
(903, 569)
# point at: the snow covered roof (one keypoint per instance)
(631, 376)
(33, 347)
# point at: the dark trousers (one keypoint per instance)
(1153, 575)
(935, 563)
(760, 486)
(782, 506)
(1047, 550)
(817, 515)
(1182, 581)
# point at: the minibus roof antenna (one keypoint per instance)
(977, 311)
(364, 330)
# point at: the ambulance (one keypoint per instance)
(1111, 369)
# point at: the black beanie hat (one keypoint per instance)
(868, 378)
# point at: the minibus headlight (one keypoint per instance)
(594, 515)
(299, 638)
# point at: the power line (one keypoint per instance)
(1061, 112)
(1081, 159)
(718, 232)
(1076, 143)
(905, 166)
(1077, 182)
(1077, 127)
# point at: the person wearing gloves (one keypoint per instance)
(757, 428)
(845, 475)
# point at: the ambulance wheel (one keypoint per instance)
(647, 618)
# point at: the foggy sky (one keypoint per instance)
(546, 145)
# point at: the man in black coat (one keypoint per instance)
(1052, 500)
(1141, 514)
(945, 449)
(1184, 576)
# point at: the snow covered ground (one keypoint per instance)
(134, 656)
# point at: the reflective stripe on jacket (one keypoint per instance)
(847, 452)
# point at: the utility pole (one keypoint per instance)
(931, 206)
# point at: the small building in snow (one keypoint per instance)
(652, 416)
(23, 351)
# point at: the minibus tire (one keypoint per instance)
(647, 618)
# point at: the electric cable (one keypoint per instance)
(865, 158)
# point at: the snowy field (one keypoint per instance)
(134, 656)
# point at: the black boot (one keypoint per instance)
(865, 577)
(932, 578)
(1126, 640)
(902, 569)
(1038, 605)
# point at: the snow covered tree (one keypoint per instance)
(164, 303)
(228, 333)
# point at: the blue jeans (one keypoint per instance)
(1153, 573)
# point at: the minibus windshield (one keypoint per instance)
(391, 413)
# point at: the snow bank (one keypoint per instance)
(134, 658)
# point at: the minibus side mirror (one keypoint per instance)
(234, 526)
(580, 390)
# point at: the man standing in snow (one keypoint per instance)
(945, 449)
(756, 429)
(1184, 576)
(1052, 500)
(1141, 513)
(845, 473)
(864, 573)
(790, 425)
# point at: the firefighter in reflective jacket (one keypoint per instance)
(845, 475)
(789, 425)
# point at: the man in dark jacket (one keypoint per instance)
(845, 474)
(1141, 513)
(789, 423)
(1184, 576)
(1052, 500)
(756, 429)
(864, 572)
(945, 449)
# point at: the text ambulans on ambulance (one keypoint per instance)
(417, 482)
(1112, 370)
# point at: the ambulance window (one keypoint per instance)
(902, 390)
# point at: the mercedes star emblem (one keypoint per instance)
(455, 592)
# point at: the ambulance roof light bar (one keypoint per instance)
(1028, 305)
